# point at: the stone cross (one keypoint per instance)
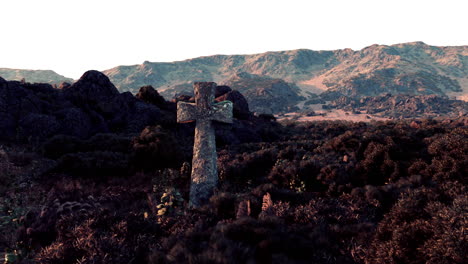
(204, 112)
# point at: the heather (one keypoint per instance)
(317, 192)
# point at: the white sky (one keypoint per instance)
(72, 36)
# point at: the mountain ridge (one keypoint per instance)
(413, 68)
(33, 76)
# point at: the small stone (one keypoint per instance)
(345, 158)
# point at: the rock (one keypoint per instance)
(267, 117)
(7, 127)
(149, 95)
(141, 116)
(128, 114)
(182, 98)
(74, 122)
(92, 87)
(117, 105)
(345, 158)
(63, 85)
(241, 107)
(415, 124)
(36, 127)
(221, 90)
(2, 80)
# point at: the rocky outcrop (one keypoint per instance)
(92, 87)
(149, 95)
(403, 106)
(241, 107)
(35, 112)
(221, 90)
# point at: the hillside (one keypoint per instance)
(410, 68)
(91, 175)
(33, 76)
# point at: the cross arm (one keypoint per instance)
(222, 112)
(186, 112)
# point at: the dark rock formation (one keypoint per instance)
(63, 85)
(241, 107)
(92, 87)
(75, 122)
(36, 126)
(183, 98)
(149, 95)
(34, 112)
(221, 90)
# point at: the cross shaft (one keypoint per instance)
(203, 112)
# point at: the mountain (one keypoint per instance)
(410, 68)
(33, 76)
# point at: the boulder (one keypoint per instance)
(142, 115)
(7, 127)
(92, 87)
(128, 114)
(241, 107)
(63, 85)
(117, 105)
(149, 95)
(74, 122)
(2, 80)
(37, 127)
(221, 90)
(182, 98)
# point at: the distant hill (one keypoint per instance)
(410, 68)
(33, 76)
(280, 82)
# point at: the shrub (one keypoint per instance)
(156, 148)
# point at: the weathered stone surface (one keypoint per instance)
(128, 114)
(63, 85)
(7, 127)
(74, 122)
(182, 98)
(204, 171)
(221, 90)
(36, 127)
(90, 106)
(149, 95)
(93, 86)
(241, 106)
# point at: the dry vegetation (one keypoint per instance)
(322, 192)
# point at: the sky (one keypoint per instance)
(71, 37)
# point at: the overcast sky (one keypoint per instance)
(70, 36)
